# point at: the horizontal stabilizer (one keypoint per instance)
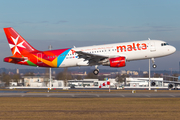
(8, 59)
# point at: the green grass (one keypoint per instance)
(89, 108)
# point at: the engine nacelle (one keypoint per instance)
(153, 83)
(170, 85)
(116, 62)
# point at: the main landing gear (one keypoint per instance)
(153, 61)
(96, 71)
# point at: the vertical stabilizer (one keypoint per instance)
(17, 43)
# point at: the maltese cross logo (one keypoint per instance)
(16, 45)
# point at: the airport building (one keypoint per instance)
(57, 83)
(41, 81)
(30, 81)
(36, 81)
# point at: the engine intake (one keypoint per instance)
(153, 83)
(170, 86)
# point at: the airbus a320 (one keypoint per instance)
(113, 55)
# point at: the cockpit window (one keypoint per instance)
(164, 44)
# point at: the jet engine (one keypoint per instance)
(153, 83)
(115, 62)
(170, 85)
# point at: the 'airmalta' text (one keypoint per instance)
(135, 47)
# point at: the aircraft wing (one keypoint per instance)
(93, 59)
(165, 81)
(175, 82)
(147, 79)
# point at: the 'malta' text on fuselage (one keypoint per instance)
(134, 47)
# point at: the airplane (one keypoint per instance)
(113, 55)
(172, 84)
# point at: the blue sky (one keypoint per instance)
(64, 23)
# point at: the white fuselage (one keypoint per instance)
(136, 50)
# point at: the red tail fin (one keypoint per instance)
(18, 44)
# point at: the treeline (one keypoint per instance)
(9, 78)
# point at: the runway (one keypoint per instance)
(93, 95)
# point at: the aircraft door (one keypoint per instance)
(152, 46)
(39, 58)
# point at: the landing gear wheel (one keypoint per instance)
(154, 65)
(96, 72)
(175, 88)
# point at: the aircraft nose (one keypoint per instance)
(172, 49)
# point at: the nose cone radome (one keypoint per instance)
(173, 49)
